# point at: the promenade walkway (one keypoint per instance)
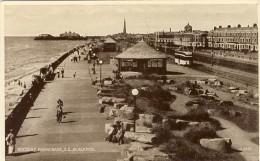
(81, 134)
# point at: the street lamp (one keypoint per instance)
(100, 62)
(135, 92)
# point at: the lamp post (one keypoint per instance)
(135, 92)
(100, 63)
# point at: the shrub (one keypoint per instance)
(162, 135)
(195, 133)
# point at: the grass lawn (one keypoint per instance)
(255, 140)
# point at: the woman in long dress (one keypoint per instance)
(10, 140)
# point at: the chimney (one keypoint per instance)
(238, 26)
(170, 30)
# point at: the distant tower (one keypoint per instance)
(124, 30)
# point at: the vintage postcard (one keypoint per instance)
(130, 80)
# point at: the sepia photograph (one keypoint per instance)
(130, 80)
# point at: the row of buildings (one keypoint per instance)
(230, 38)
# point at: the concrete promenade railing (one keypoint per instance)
(17, 116)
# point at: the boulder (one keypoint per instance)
(173, 88)
(102, 108)
(217, 144)
(137, 146)
(143, 129)
(213, 112)
(147, 118)
(166, 124)
(127, 108)
(106, 100)
(108, 127)
(118, 100)
(119, 105)
(126, 115)
(114, 112)
(141, 137)
(146, 155)
(193, 123)
(180, 124)
(126, 124)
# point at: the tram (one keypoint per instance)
(183, 56)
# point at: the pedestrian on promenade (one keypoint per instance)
(93, 69)
(10, 141)
(120, 134)
(59, 113)
(95, 81)
(89, 60)
(24, 85)
(74, 75)
(79, 57)
(112, 134)
(58, 72)
(60, 102)
(62, 72)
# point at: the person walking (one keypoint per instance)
(59, 113)
(10, 141)
(74, 75)
(120, 134)
(60, 102)
(58, 72)
(62, 72)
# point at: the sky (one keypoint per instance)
(100, 19)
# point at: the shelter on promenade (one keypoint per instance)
(142, 58)
(109, 45)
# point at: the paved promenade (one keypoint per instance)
(82, 128)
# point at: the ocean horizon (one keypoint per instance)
(23, 54)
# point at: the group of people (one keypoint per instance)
(19, 83)
(58, 72)
(116, 135)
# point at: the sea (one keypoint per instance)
(24, 55)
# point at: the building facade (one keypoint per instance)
(234, 38)
(188, 37)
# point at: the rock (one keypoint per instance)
(127, 108)
(108, 127)
(102, 108)
(173, 88)
(147, 118)
(213, 112)
(217, 144)
(166, 124)
(151, 154)
(143, 129)
(136, 146)
(126, 115)
(118, 100)
(180, 124)
(114, 112)
(106, 100)
(127, 124)
(119, 105)
(193, 123)
(141, 137)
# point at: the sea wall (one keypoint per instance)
(17, 116)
